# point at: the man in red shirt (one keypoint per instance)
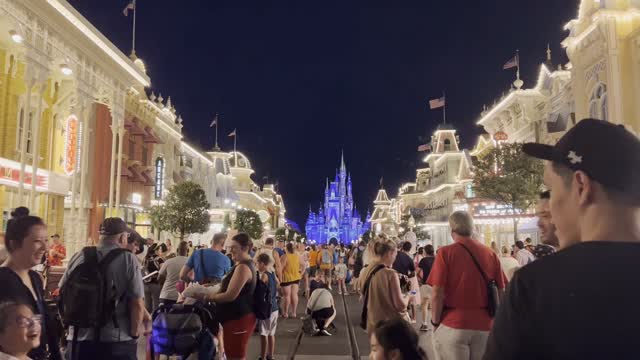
(459, 297)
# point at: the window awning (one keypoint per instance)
(148, 177)
(135, 174)
(151, 137)
(133, 127)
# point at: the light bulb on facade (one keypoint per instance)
(65, 69)
(226, 201)
(17, 38)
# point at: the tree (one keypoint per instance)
(281, 234)
(185, 210)
(159, 219)
(248, 221)
(509, 176)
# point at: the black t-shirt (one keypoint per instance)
(404, 264)
(579, 303)
(425, 265)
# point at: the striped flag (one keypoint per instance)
(425, 147)
(215, 121)
(233, 133)
(513, 62)
(436, 103)
(130, 6)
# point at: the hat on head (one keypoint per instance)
(606, 152)
(114, 226)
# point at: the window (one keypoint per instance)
(159, 178)
(132, 145)
(21, 128)
(144, 155)
(447, 145)
(598, 108)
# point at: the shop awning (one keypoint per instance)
(148, 177)
(125, 170)
(135, 174)
(133, 127)
(151, 137)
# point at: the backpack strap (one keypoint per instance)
(365, 291)
(103, 265)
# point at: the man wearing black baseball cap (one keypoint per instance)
(117, 339)
(581, 302)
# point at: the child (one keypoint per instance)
(268, 327)
(341, 275)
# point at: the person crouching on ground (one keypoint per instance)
(322, 309)
(19, 330)
(268, 326)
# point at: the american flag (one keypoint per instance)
(233, 133)
(513, 62)
(425, 147)
(130, 6)
(436, 103)
(215, 121)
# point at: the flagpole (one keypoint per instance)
(518, 64)
(135, 8)
(444, 109)
(217, 119)
(235, 152)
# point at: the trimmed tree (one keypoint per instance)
(248, 221)
(185, 210)
(159, 219)
(509, 176)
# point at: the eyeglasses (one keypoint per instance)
(29, 322)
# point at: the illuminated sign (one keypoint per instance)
(10, 175)
(136, 198)
(492, 209)
(72, 131)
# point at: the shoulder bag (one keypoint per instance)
(493, 300)
(365, 291)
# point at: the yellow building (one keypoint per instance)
(57, 75)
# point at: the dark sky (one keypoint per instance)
(301, 80)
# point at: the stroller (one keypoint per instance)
(184, 330)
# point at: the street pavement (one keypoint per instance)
(336, 347)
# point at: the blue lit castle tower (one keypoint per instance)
(338, 220)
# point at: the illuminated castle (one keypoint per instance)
(338, 220)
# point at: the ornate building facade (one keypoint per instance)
(337, 221)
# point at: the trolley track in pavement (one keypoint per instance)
(342, 345)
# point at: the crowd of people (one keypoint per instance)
(552, 300)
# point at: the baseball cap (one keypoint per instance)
(114, 226)
(608, 153)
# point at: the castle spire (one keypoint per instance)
(343, 167)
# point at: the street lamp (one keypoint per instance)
(65, 69)
(17, 38)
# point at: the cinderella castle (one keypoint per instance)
(338, 220)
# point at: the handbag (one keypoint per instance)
(309, 325)
(493, 300)
(365, 290)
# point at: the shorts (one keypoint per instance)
(425, 291)
(289, 283)
(267, 327)
(312, 270)
(321, 316)
(237, 334)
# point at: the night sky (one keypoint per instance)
(301, 80)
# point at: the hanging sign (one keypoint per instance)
(71, 144)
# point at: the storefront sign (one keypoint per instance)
(12, 174)
(493, 209)
(72, 131)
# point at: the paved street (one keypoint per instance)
(336, 347)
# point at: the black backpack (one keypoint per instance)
(262, 299)
(87, 299)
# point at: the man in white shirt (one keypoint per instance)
(523, 255)
(322, 309)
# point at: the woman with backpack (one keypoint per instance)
(325, 258)
(291, 275)
(234, 302)
(25, 240)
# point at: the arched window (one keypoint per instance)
(159, 178)
(598, 108)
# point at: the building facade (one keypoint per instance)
(337, 221)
